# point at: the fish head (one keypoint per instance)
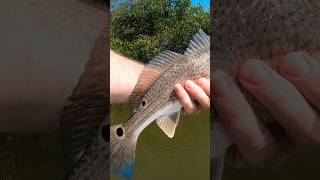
(122, 148)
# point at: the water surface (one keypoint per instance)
(27, 156)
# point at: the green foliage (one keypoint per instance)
(140, 29)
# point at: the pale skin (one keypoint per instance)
(124, 74)
(291, 94)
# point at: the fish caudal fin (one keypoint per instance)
(122, 150)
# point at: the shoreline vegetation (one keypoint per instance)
(142, 29)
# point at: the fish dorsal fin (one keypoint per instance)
(169, 123)
(199, 41)
(150, 74)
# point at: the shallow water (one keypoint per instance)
(184, 157)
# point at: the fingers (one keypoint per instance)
(200, 91)
(204, 84)
(189, 106)
(282, 99)
(249, 133)
(303, 71)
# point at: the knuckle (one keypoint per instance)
(245, 71)
(185, 102)
(261, 156)
(259, 147)
(188, 111)
(312, 133)
(192, 109)
(279, 101)
(195, 91)
(233, 114)
(206, 103)
(188, 108)
(180, 93)
(203, 99)
(295, 64)
(183, 97)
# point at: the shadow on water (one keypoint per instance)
(31, 156)
(184, 157)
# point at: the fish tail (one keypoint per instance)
(122, 148)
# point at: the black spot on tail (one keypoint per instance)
(120, 131)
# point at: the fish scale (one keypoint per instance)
(257, 29)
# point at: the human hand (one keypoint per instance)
(199, 90)
(291, 95)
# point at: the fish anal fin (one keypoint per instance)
(169, 123)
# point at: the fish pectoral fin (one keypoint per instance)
(150, 73)
(168, 123)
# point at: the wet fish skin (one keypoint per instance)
(158, 101)
(258, 29)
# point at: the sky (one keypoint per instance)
(205, 3)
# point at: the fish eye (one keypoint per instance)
(119, 131)
(105, 132)
(143, 103)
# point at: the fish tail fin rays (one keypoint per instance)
(122, 148)
(220, 143)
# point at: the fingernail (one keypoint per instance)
(255, 72)
(295, 64)
(177, 87)
(204, 81)
(189, 84)
(221, 83)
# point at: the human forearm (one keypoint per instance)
(124, 74)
